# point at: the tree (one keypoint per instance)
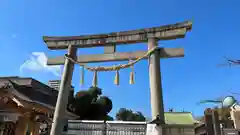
(128, 115)
(90, 105)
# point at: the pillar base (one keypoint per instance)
(155, 129)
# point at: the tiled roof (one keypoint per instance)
(181, 118)
(31, 89)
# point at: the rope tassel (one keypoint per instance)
(116, 80)
(82, 76)
(94, 82)
(131, 80)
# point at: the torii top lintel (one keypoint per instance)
(166, 32)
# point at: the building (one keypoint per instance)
(28, 103)
(55, 84)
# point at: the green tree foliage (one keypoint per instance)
(90, 105)
(128, 115)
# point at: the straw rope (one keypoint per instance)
(114, 67)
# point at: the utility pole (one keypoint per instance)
(109, 41)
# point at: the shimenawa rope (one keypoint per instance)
(114, 67)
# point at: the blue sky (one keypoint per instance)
(185, 80)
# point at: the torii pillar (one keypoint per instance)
(157, 106)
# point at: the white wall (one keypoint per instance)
(153, 129)
(180, 131)
(4, 116)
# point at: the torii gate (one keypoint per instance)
(109, 41)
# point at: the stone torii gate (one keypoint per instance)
(109, 41)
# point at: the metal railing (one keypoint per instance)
(229, 131)
(77, 127)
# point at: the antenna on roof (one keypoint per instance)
(230, 62)
(234, 93)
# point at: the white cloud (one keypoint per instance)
(38, 63)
